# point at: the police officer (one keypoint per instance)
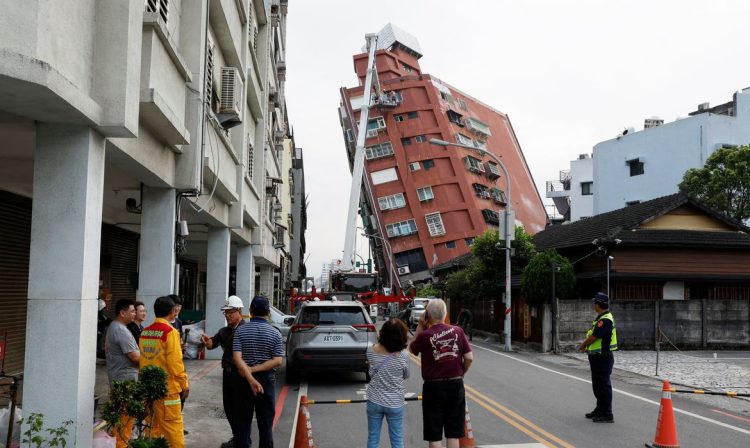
(601, 341)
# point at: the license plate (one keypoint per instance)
(333, 338)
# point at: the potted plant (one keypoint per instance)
(136, 399)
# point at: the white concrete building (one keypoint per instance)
(118, 123)
(643, 165)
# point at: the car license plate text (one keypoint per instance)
(333, 338)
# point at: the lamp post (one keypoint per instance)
(506, 230)
(390, 257)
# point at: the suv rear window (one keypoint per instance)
(332, 316)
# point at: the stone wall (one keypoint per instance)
(686, 324)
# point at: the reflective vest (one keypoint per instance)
(161, 346)
(596, 346)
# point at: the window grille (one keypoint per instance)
(435, 224)
(160, 6)
(425, 193)
(401, 228)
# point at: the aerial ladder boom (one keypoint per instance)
(347, 260)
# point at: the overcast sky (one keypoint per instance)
(569, 74)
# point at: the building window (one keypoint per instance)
(407, 68)
(250, 159)
(160, 6)
(414, 166)
(399, 98)
(491, 216)
(462, 104)
(425, 194)
(406, 141)
(413, 258)
(427, 164)
(469, 241)
(446, 96)
(481, 191)
(384, 149)
(473, 164)
(349, 135)
(375, 124)
(420, 139)
(435, 224)
(587, 188)
(383, 176)
(636, 167)
(402, 228)
(392, 202)
(455, 117)
(464, 140)
(398, 118)
(450, 245)
(498, 195)
(412, 115)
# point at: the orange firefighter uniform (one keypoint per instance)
(160, 345)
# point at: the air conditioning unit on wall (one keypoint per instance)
(231, 97)
(403, 270)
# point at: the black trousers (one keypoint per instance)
(230, 385)
(601, 370)
(261, 405)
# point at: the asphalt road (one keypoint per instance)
(522, 398)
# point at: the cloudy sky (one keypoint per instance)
(568, 73)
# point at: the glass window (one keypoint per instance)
(587, 188)
(636, 167)
(401, 228)
(420, 138)
(398, 117)
(435, 224)
(427, 164)
(450, 245)
(391, 202)
(425, 193)
(414, 166)
(406, 141)
(412, 115)
(375, 123)
(469, 241)
(377, 151)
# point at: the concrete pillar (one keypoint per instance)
(156, 257)
(217, 282)
(245, 274)
(266, 280)
(63, 278)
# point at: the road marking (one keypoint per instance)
(302, 391)
(507, 415)
(622, 392)
(514, 445)
(731, 415)
(518, 417)
(280, 402)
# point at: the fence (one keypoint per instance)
(687, 323)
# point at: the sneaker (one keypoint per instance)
(603, 419)
(592, 414)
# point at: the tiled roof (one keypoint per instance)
(459, 261)
(624, 224)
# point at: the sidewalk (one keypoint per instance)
(203, 415)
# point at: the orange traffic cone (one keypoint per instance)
(666, 430)
(468, 439)
(303, 437)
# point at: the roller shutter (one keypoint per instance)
(15, 236)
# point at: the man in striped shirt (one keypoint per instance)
(258, 350)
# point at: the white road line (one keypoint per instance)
(622, 392)
(515, 445)
(302, 391)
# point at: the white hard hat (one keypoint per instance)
(232, 302)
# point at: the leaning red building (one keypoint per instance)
(425, 202)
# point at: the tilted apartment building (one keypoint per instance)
(141, 149)
(424, 203)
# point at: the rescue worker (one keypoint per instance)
(160, 346)
(232, 310)
(600, 343)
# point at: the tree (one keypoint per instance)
(536, 280)
(723, 183)
(429, 290)
(484, 277)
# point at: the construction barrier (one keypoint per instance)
(707, 392)
(303, 436)
(467, 441)
(666, 429)
(415, 398)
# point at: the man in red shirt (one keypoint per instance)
(446, 357)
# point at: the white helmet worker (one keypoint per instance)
(232, 302)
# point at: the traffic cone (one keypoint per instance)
(666, 430)
(303, 437)
(468, 439)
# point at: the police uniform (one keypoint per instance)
(601, 361)
(160, 346)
